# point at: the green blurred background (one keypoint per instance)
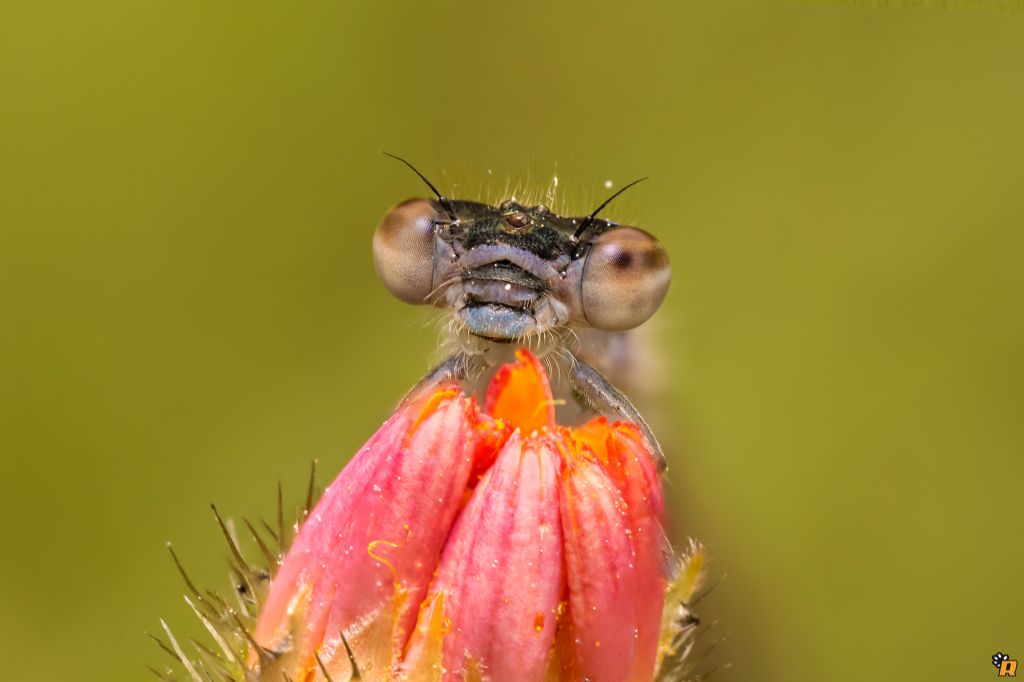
(189, 310)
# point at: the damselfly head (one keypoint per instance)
(511, 271)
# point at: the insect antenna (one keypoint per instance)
(589, 220)
(441, 199)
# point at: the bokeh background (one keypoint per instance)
(189, 312)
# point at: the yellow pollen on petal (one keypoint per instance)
(372, 547)
(430, 406)
(563, 449)
(543, 406)
(432, 625)
(538, 623)
(396, 585)
(473, 673)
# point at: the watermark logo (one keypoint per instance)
(1007, 666)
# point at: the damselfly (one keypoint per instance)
(513, 275)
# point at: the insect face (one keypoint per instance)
(512, 271)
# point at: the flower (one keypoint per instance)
(462, 543)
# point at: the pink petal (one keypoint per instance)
(634, 473)
(368, 550)
(501, 571)
(602, 575)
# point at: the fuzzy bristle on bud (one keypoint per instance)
(682, 656)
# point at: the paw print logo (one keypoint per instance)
(1006, 666)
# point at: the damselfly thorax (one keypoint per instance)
(510, 275)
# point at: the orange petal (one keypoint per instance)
(491, 435)
(592, 438)
(520, 394)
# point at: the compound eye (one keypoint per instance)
(403, 250)
(625, 278)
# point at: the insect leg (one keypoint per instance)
(455, 368)
(594, 389)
